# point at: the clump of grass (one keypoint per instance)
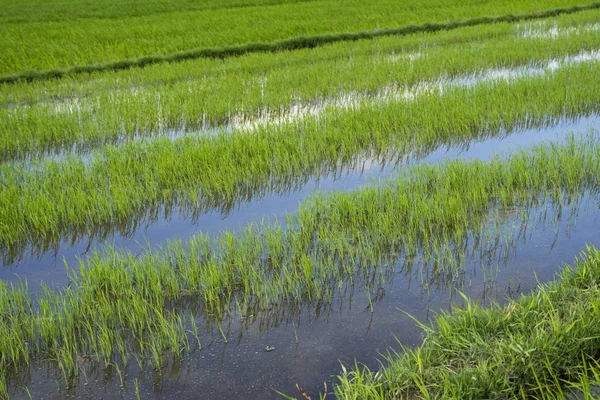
(538, 346)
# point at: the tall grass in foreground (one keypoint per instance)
(540, 346)
(41, 202)
(121, 307)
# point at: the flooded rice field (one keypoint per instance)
(409, 212)
(309, 343)
(42, 264)
(256, 354)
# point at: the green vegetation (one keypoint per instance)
(43, 41)
(42, 201)
(119, 307)
(231, 99)
(390, 50)
(53, 117)
(289, 44)
(541, 345)
(20, 11)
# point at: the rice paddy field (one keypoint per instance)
(299, 199)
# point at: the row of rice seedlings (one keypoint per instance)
(87, 42)
(127, 227)
(31, 11)
(392, 48)
(48, 199)
(119, 306)
(110, 116)
(545, 345)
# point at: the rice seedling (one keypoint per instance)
(137, 390)
(43, 201)
(542, 345)
(3, 388)
(119, 306)
(38, 44)
(143, 104)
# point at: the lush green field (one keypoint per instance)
(53, 116)
(48, 38)
(315, 87)
(121, 306)
(254, 66)
(43, 201)
(19, 11)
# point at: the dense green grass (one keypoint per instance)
(252, 67)
(538, 346)
(288, 44)
(33, 43)
(120, 307)
(21, 11)
(53, 117)
(41, 202)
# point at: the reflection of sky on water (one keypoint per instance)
(347, 329)
(49, 266)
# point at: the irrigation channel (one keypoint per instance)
(307, 343)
